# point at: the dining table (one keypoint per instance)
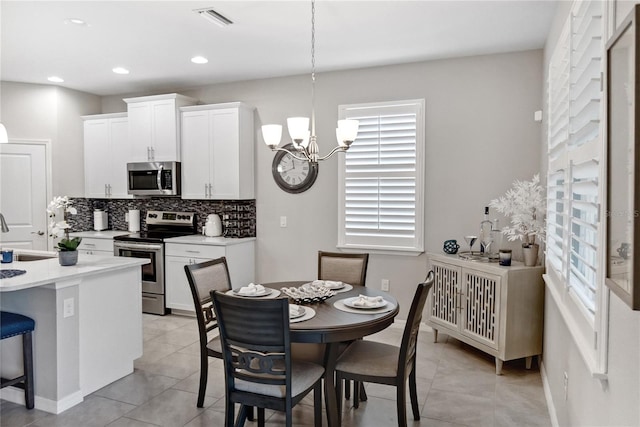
(332, 326)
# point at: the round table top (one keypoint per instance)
(333, 325)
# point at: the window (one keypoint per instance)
(381, 178)
(575, 274)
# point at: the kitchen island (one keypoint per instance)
(88, 326)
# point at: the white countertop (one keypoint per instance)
(49, 271)
(104, 234)
(199, 239)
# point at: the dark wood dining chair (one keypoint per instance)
(348, 268)
(204, 277)
(375, 362)
(343, 267)
(258, 367)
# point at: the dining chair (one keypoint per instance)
(204, 277)
(344, 267)
(258, 367)
(375, 362)
(348, 268)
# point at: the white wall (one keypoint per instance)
(49, 112)
(480, 136)
(590, 402)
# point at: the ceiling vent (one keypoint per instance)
(213, 16)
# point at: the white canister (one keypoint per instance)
(100, 220)
(134, 220)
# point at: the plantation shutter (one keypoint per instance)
(380, 183)
(573, 184)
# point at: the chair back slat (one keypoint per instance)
(343, 267)
(412, 327)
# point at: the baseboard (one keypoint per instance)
(16, 395)
(548, 397)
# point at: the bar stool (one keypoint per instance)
(11, 325)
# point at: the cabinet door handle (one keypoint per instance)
(106, 191)
(90, 244)
(210, 191)
(192, 252)
(153, 153)
(206, 191)
(39, 232)
(109, 190)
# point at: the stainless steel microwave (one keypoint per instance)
(153, 178)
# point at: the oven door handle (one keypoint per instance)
(159, 177)
(138, 246)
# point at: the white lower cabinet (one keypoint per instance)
(92, 246)
(496, 309)
(240, 260)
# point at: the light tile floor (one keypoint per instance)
(457, 386)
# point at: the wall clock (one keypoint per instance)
(291, 174)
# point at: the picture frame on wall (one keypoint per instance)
(623, 162)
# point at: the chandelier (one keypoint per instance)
(304, 142)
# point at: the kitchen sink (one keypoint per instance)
(31, 257)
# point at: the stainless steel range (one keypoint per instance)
(150, 245)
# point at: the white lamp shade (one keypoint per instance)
(298, 127)
(272, 134)
(347, 131)
(4, 138)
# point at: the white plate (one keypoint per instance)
(301, 312)
(349, 303)
(267, 291)
(323, 283)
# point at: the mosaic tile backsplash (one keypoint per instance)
(238, 216)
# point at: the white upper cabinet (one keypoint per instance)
(217, 151)
(154, 127)
(106, 153)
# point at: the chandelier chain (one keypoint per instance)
(313, 67)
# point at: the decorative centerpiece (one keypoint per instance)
(526, 204)
(67, 247)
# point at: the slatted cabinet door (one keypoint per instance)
(445, 295)
(481, 307)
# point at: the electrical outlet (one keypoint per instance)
(385, 285)
(68, 309)
(283, 221)
(566, 386)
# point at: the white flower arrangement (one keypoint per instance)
(61, 228)
(526, 204)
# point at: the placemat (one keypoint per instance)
(7, 274)
(340, 306)
(308, 314)
(274, 294)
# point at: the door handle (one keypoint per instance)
(39, 233)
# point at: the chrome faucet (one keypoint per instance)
(3, 224)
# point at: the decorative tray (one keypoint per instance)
(308, 294)
(477, 256)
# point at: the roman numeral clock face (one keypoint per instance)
(291, 174)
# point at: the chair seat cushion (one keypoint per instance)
(370, 358)
(12, 324)
(214, 347)
(303, 376)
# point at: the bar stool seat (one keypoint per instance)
(11, 325)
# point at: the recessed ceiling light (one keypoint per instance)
(120, 70)
(75, 21)
(199, 60)
(55, 79)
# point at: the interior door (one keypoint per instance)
(23, 195)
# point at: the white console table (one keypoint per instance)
(496, 309)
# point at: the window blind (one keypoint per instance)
(573, 184)
(381, 201)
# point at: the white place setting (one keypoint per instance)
(363, 304)
(253, 290)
